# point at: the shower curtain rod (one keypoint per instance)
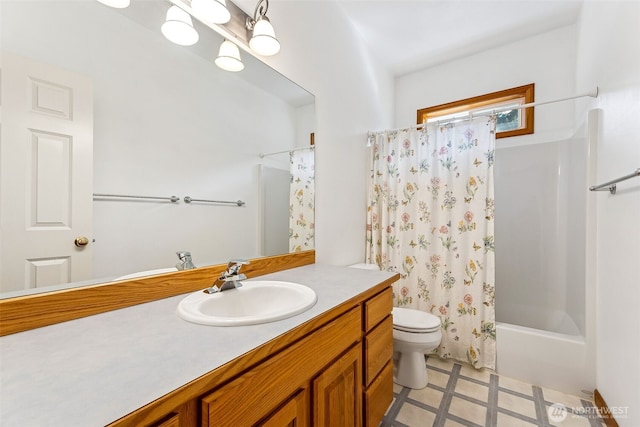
(592, 93)
(262, 156)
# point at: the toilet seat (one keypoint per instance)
(414, 321)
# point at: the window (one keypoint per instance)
(509, 122)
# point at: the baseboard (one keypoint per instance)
(604, 410)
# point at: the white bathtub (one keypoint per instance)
(548, 359)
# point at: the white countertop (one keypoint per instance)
(95, 370)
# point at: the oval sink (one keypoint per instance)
(147, 273)
(254, 303)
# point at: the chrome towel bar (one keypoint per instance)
(611, 185)
(173, 199)
(189, 199)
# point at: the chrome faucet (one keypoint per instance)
(185, 261)
(229, 279)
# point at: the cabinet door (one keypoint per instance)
(294, 413)
(337, 391)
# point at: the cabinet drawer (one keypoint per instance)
(264, 388)
(379, 396)
(378, 348)
(377, 308)
(183, 416)
(172, 421)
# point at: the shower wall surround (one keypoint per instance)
(540, 238)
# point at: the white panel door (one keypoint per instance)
(46, 174)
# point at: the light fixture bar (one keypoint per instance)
(235, 30)
(118, 4)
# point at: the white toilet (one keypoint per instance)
(414, 334)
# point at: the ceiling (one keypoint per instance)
(408, 35)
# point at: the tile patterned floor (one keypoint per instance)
(459, 395)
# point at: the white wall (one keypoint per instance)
(323, 54)
(548, 60)
(609, 56)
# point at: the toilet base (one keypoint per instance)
(411, 370)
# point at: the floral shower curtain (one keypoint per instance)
(430, 218)
(301, 200)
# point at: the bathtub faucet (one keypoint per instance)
(229, 279)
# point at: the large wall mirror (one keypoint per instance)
(95, 101)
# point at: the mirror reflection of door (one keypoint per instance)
(46, 196)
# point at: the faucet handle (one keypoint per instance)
(235, 278)
(233, 267)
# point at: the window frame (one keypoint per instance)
(525, 92)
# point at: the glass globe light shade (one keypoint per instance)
(214, 11)
(229, 57)
(178, 27)
(264, 41)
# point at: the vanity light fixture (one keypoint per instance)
(229, 57)
(118, 4)
(263, 39)
(178, 27)
(214, 11)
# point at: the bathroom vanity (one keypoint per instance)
(143, 365)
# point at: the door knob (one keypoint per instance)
(81, 241)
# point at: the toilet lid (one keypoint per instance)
(409, 320)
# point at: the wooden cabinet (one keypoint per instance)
(377, 308)
(337, 392)
(378, 396)
(261, 390)
(172, 421)
(335, 370)
(378, 355)
(293, 413)
(184, 416)
(378, 349)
